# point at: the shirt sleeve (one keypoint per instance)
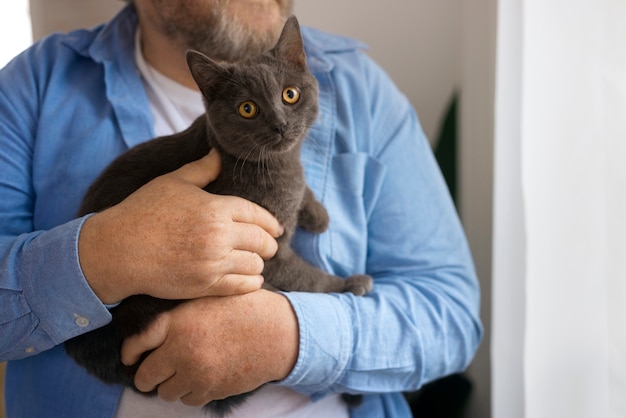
(421, 321)
(44, 297)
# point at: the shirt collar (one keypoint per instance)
(97, 42)
(318, 45)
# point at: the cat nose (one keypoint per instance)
(280, 128)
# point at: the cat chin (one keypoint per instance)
(284, 142)
(268, 149)
(281, 146)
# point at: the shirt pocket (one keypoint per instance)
(350, 192)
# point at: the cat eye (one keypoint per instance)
(291, 95)
(248, 109)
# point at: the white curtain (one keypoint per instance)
(559, 319)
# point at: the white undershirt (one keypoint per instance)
(174, 107)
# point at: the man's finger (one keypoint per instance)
(252, 238)
(173, 389)
(200, 172)
(194, 399)
(244, 262)
(251, 213)
(154, 336)
(153, 372)
(236, 284)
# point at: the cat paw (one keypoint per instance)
(359, 284)
(315, 221)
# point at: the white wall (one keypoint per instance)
(63, 15)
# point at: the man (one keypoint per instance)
(73, 103)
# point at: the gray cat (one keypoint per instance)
(258, 112)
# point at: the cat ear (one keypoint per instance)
(204, 70)
(290, 46)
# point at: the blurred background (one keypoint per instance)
(523, 102)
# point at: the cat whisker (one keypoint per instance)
(267, 164)
(243, 161)
(244, 156)
(260, 165)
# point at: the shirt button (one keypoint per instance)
(30, 350)
(81, 321)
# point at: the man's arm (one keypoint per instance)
(215, 347)
(171, 239)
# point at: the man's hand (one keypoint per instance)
(172, 240)
(215, 347)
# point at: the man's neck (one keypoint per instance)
(166, 57)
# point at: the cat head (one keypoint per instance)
(262, 105)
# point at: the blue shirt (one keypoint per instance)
(72, 103)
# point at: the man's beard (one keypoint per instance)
(222, 35)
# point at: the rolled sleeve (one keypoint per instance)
(325, 342)
(46, 299)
